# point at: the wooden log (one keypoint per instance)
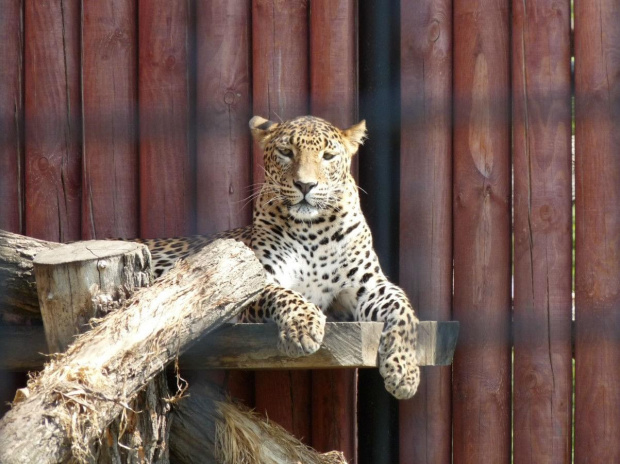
(80, 392)
(206, 426)
(83, 280)
(18, 292)
(482, 236)
(597, 231)
(541, 86)
(425, 421)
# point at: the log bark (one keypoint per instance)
(84, 280)
(18, 291)
(81, 392)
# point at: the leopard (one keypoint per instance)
(309, 233)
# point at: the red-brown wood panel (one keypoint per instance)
(224, 163)
(167, 180)
(280, 91)
(542, 231)
(482, 242)
(597, 282)
(280, 74)
(426, 213)
(52, 119)
(109, 82)
(333, 96)
(11, 116)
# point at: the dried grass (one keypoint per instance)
(244, 437)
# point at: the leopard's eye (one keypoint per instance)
(285, 152)
(328, 156)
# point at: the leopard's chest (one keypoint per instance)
(315, 267)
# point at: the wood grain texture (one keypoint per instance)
(482, 239)
(118, 357)
(167, 180)
(53, 168)
(110, 92)
(542, 231)
(224, 165)
(280, 64)
(281, 85)
(83, 280)
(334, 96)
(425, 421)
(253, 346)
(11, 116)
(597, 245)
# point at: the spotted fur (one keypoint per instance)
(309, 233)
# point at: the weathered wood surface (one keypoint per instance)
(80, 392)
(207, 428)
(18, 290)
(253, 346)
(346, 345)
(78, 281)
(425, 245)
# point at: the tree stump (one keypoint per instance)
(67, 408)
(83, 280)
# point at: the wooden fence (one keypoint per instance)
(129, 118)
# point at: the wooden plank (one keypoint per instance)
(52, 119)
(253, 346)
(280, 76)
(333, 96)
(425, 421)
(280, 91)
(11, 117)
(482, 239)
(167, 180)
(109, 80)
(541, 85)
(284, 397)
(223, 162)
(597, 244)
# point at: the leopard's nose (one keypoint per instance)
(305, 187)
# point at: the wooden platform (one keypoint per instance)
(253, 346)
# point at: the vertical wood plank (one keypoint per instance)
(426, 212)
(285, 398)
(52, 119)
(280, 81)
(109, 82)
(224, 165)
(597, 138)
(333, 96)
(280, 75)
(481, 371)
(542, 231)
(11, 116)
(167, 182)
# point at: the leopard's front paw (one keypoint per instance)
(301, 331)
(398, 364)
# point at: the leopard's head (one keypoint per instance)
(307, 163)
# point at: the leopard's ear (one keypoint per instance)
(261, 128)
(355, 136)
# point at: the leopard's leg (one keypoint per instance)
(398, 365)
(301, 324)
